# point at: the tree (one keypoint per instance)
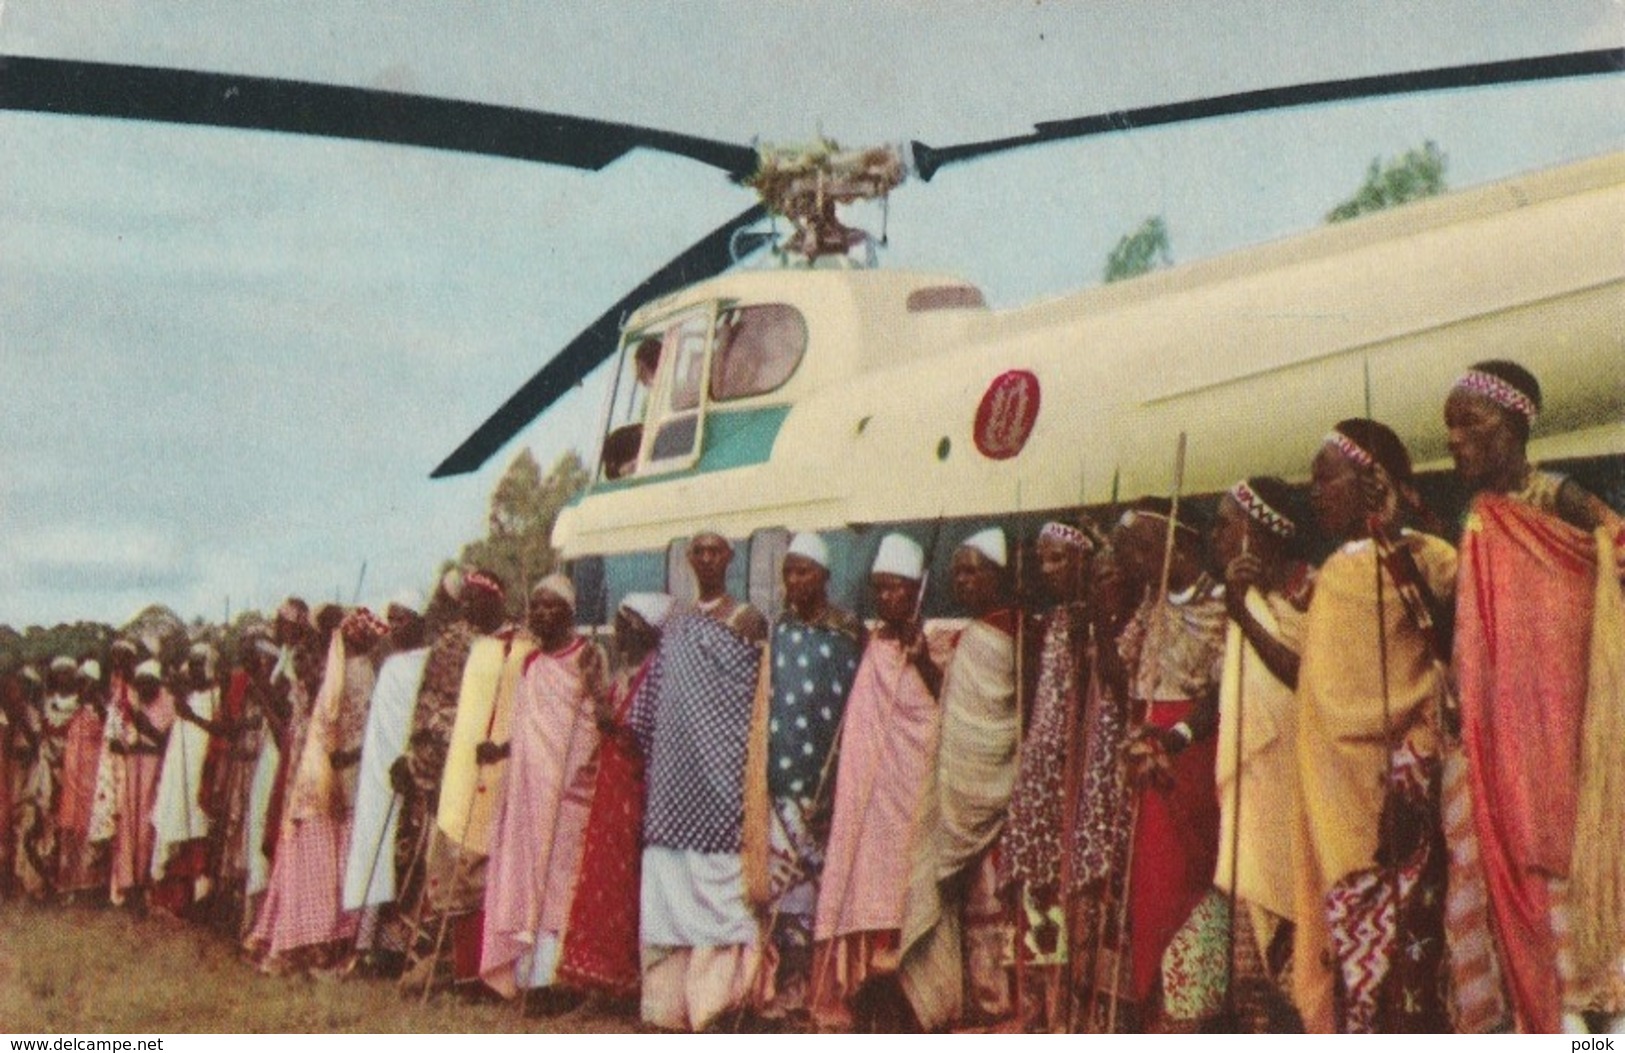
(1144, 250)
(518, 543)
(1415, 174)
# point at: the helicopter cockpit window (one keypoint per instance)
(758, 348)
(655, 420)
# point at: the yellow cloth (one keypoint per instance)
(1269, 760)
(469, 791)
(1597, 889)
(1342, 747)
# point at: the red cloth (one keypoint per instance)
(80, 756)
(219, 760)
(1176, 847)
(600, 951)
(1523, 621)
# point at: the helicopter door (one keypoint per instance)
(674, 428)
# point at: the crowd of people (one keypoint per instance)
(1186, 781)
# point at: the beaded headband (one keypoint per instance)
(1350, 449)
(1260, 512)
(1066, 534)
(1498, 391)
(478, 579)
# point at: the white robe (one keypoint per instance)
(369, 871)
(176, 815)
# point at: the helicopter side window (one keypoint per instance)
(758, 348)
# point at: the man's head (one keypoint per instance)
(484, 600)
(646, 360)
(1062, 551)
(200, 666)
(806, 574)
(148, 680)
(1358, 472)
(292, 621)
(708, 556)
(405, 623)
(553, 610)
(895, 577)
(979, 571)
(1487, 417)
(123, 656)
(638, 623)
(1253, 516)
(1140, 541)
(90, 677)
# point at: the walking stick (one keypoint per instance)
(1235, 818)
(797, 869)
(1061, 985)
(1134, 807)
(378, 850)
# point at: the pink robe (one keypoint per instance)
(540, 827)
(304, 903)
(887, 749)
(80, 760)
(133, 835)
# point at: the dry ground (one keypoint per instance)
(85, 969)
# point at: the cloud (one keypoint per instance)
(78, 558)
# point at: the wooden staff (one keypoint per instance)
(1134, 800)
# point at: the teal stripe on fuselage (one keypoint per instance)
(733, 439)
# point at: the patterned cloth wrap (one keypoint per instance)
(1387, 922)
(692, 715)
(1031, 846)
(813, 667)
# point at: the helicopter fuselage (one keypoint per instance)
(910, 401)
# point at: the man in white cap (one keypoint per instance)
(180, 853)
(888, 749)
(692, 716)
(957, 934)
(370, 866)
(600, 946)
(536, 842)
(808, 665)
(81, 866)
(141, 745)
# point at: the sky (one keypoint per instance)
(231, 359)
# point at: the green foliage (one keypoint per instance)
(39, 645)
(1415, 174)
(518, 544)
(1144, 250)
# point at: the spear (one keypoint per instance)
(1134, 807)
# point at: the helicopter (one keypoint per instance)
(767, 400)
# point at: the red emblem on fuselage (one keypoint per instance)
(1005, 418)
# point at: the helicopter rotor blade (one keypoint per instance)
(178, 96)
(706, 257)
(928, 159)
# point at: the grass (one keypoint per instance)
(91, 969)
